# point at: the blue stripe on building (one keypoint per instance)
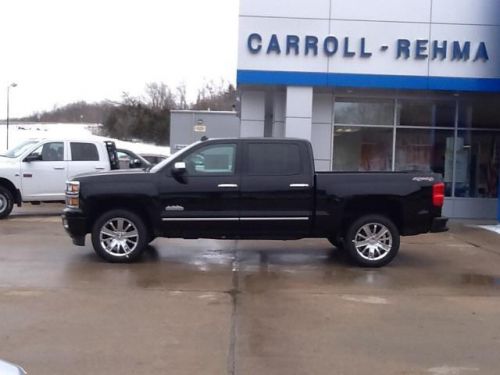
(255, 77)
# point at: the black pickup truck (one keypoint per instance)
(252, 189)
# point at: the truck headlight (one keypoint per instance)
(73, 194)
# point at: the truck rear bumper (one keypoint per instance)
(439, 225)
(75, 224)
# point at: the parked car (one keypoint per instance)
(252, 189)
(37, 170)
(130, 160)
(7, 368)
(154, 158)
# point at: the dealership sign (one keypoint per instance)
(329, 46)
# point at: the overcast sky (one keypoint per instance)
(60, 51)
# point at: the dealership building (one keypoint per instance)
(380, 85)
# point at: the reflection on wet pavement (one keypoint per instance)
(424, 264)
(185, 266)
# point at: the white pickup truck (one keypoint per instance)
(37, 170)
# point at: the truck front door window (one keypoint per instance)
(212, 160)
(53, 151)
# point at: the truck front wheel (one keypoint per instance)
(372, 241)
(119, 236)
(6, 202)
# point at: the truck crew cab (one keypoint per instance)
(252, 189)
(37, 170)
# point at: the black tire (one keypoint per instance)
(130, 241)
(6, 202)
(382, 250)
(337, 242)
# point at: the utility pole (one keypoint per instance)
(8, 100)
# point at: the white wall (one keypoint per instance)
(253, 110)
(382, 23)
(322, 123)
(298, 112)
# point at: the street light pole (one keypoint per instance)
(8, 100)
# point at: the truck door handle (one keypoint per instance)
(99, 168)
(59, 168)
(299, 185)
(225, 186)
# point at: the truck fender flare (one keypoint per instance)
(16, 193)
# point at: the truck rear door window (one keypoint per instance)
(84, 152)
(273, 159)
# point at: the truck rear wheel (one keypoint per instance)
(372, 241)
(6, 202)
(119, 236)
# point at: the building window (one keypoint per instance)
(426, 113)
(428, 150)
(362, 148)
(364, 112)
(477, 164)
(479, 113)
(424, 139)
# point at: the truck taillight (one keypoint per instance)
(438, 194)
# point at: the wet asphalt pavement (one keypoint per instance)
(247, 307)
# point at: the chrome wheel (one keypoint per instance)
(373, 241)
(119, 237)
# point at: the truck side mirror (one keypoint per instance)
(32, 157)
(179, 168)
(179, 172)
(135, 163)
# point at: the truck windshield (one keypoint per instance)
(19, 149)
(159, 167)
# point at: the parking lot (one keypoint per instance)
(247, 307)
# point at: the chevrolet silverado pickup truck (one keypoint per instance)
(37, 170)
(252, 189)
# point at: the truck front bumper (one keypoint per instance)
(439, 224)
(75, 224)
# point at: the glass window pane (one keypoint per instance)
(210, 160)
(348, 111)
(273, 159)
(477, 164)
(427, 150)
(84, 152)
(362, 149)
(53, 151)
(426, 113)
(479, 113)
